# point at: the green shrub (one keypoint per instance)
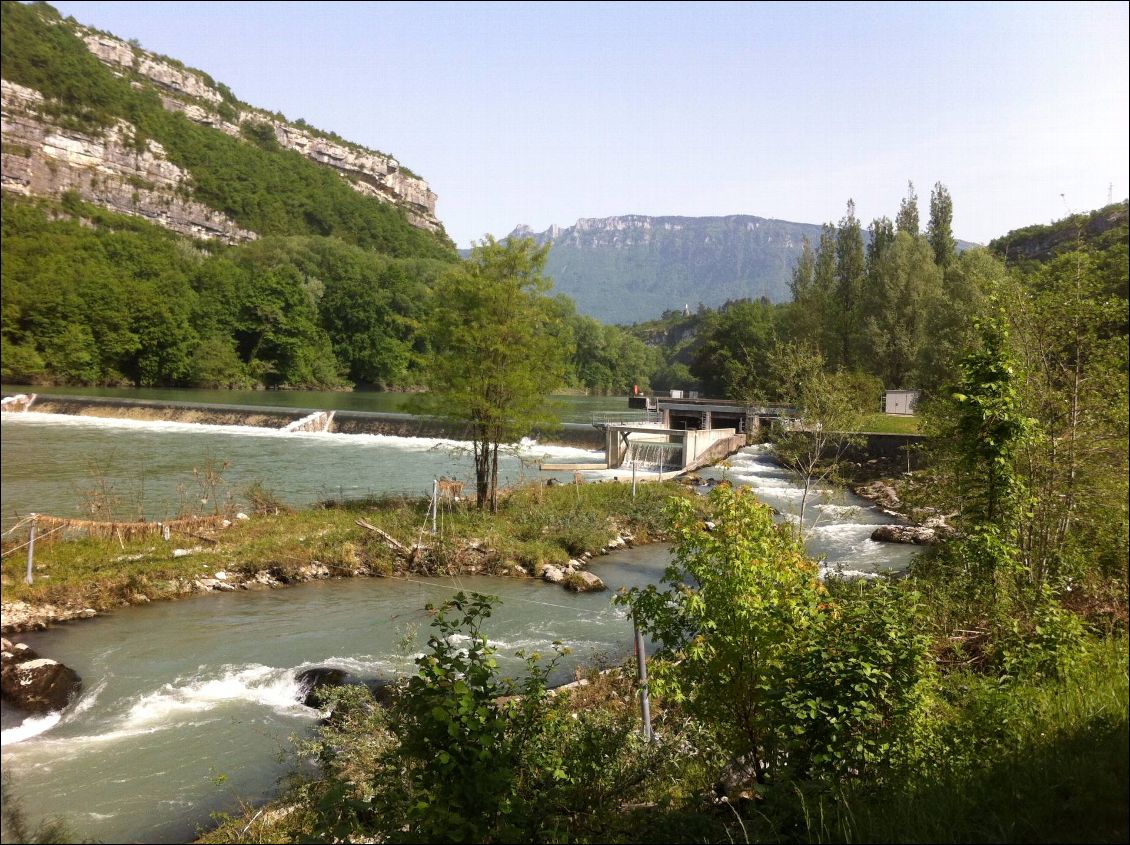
(796, 681)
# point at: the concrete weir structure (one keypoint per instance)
(652, 447)
(658, 437)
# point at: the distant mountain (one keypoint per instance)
(632, 268)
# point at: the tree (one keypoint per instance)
(907, 219)
(827, 411)
(795, 679)
(940, 229)
(901, 280)
(1071, 339)
(732, 360)
(851, 274)
(981, 431)
(497, 350)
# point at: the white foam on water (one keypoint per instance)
(264, 685)
(364, 666)
(838, 510)
(36, 725)
(844, 530)
(525, 448)
(622, 474)
(836, 572)
(85, 702)
(29, 727)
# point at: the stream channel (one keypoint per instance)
(188, 706)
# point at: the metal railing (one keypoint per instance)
(603, 419)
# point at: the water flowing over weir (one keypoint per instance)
(187, 705)
(53, 463)
(652, 456)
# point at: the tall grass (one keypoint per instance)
(1015, 762)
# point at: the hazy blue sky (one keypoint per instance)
(541, 113)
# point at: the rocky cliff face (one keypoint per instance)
(40, 158)
(1043, 243)
(372, 173)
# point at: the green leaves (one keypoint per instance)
(809, 682)
(498, 348)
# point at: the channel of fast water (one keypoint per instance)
(188, 707)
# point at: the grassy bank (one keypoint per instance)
(1035, 760)
(535, 526)
(890, 424)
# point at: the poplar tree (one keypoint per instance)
(907, 219)
(882, 233)
(851, 271)
(805, 316)
(824, 289)
(940, 229)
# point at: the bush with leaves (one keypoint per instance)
(465, 755)
(797, 681)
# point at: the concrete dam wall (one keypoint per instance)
(346, 422)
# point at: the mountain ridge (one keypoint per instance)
(634, 267)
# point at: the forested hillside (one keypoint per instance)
(158, 231)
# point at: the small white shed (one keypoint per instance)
(900, 402)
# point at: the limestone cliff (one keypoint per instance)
(634, 267)
(46, 156)
(42, 159)
(184, 90)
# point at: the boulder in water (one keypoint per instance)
(382, 690)
(584, 582)
(883, 495)
(553, 574)
(313, 680)
(917, 534)
(37, 684)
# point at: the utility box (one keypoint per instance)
(901, 402)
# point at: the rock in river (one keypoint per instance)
(36, 684)
(917, 534)
(584, 582)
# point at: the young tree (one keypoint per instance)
(1071, 339)
(827, 412)
(497, 350)
(795, 679)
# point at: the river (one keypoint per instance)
(188, 706)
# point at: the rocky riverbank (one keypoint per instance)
(929, 526)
